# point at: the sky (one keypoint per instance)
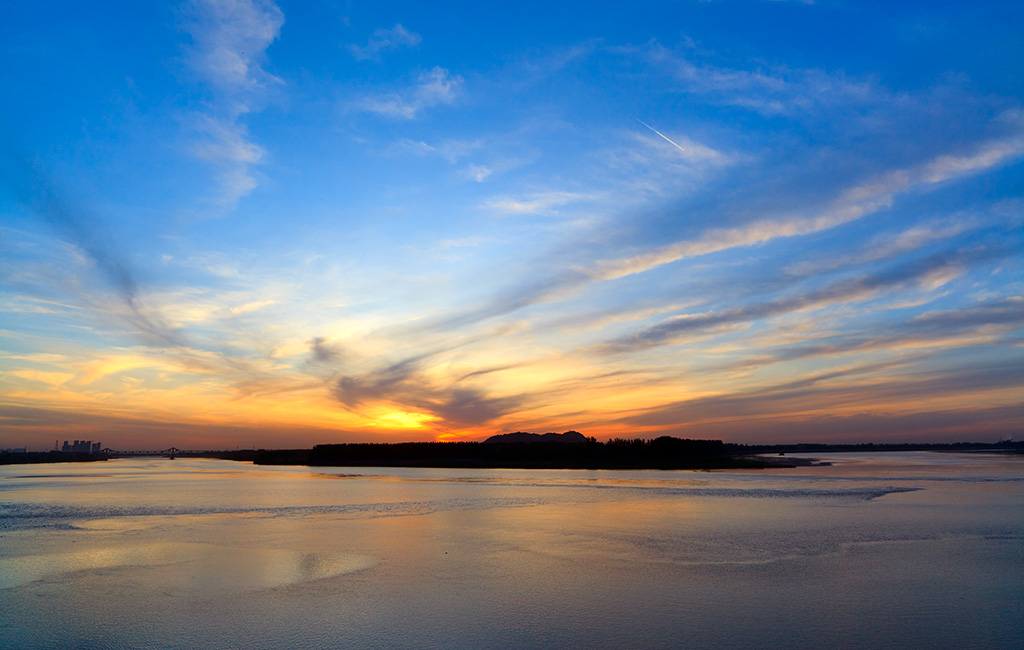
(235, 223)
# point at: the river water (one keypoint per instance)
(907, 550)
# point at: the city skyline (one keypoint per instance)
(239, 223)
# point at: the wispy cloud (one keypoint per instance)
(850, 204)
(646, 166)
(434, 87)
(538, 203)
(91, 245)
(934, 332)
(478, 173)
(888, 245)
(385, 40)
(451, 151)
(847, 204)
(176, 331)
(408, 385)
(456, 152)
(930, 272)
(826, 395)
(227, 53)
(771, 91)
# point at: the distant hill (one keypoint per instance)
(521, 436)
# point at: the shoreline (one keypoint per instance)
(662, 453)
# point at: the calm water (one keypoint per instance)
(911, 550)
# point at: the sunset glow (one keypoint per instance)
(241, 223)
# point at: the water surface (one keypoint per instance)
(910, 550)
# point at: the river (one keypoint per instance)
(908, 550)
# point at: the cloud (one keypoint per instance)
(678, 149)
(860, 198)
(849, 205)
(450, 150)
(934, 333)
(434, 87)
(544, 289)
(123, 307)
(453, 151)
(225, 142)
(322, 352)
(159, 431)
(1007, 311)
(885, 396)
(53, 378)
(941, 267)
(888, 245)
(229, 43)
(928, 426)
(84, 231)
(537, 203)
(478, 173)
(385, 40)
(771, 91)
(230, 38)
(656, 166)
(407, 386)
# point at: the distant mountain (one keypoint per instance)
(521, 436)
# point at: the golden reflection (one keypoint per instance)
(199, 566)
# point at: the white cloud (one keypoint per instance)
(230, 38)
(226, 142)
(385, 40)
(682, 149)
(434, 87)
(539, 203)
(229, 43)
(235, 182)
(655, 165)
(477, 173)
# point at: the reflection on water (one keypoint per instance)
(911, 550)
(199, 566)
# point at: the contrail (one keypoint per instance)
(668, 139)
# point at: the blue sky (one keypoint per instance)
(245, 223)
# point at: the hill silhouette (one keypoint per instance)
(569, 437)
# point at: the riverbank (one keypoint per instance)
(32, 457)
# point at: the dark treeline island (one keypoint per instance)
(569, 450)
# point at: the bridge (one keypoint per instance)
(172, 452)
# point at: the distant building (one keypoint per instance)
(82, 446)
